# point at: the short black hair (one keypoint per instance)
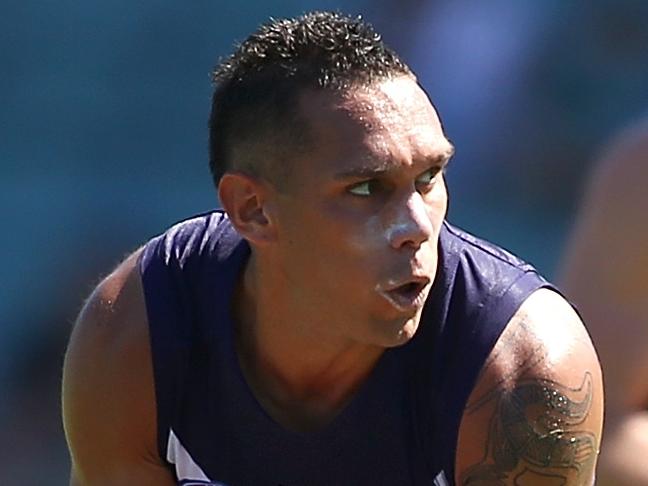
(254, 124)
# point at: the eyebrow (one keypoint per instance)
(375, 170)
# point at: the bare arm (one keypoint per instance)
(109, 408)
(535, 414)
(605, 273)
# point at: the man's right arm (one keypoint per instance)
(109, 409)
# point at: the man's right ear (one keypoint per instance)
(245, 200)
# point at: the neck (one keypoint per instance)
(301, 376)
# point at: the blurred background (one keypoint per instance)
(103, 115)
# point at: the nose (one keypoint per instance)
(410, 225)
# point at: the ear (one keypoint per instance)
(245, 199)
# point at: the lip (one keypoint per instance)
(406, 295)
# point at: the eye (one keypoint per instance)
(427, 179)
(364, 189)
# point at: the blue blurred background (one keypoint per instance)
(103, 118)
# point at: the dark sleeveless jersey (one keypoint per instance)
(402, 425)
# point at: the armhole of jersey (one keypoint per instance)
(502, 308)
(165, 349)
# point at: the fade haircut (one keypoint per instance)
(254, 126)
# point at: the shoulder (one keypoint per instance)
(187, 245)
(458, 241)
(483, 270)
(108, 394)
(113, 316)
(482, 286)
(536, 410)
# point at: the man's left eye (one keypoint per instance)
(363, 189)
(427, 178)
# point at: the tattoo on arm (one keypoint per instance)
(536, 431)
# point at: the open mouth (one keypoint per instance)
(408, 296)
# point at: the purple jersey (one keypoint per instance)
(402, 425)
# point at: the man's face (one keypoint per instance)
(358, 226)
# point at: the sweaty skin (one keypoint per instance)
(535, 415)
(605, 273)
(357, 223)
(363, 212)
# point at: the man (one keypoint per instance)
(612, 295)
(330, 327)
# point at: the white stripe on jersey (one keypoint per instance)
(185, 466)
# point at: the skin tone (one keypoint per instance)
(363, 218)
(605, 273)
(535, 414)
(109, 411)
(342, 260)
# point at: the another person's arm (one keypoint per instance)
(605, 273)
(536, 412)
(109, 407)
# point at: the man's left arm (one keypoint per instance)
(536, 412)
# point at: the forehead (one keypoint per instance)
(391, 121)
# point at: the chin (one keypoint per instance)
(403, 333)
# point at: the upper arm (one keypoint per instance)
(535, 414)
(605, 273)
(605, 270)
(109, 408)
